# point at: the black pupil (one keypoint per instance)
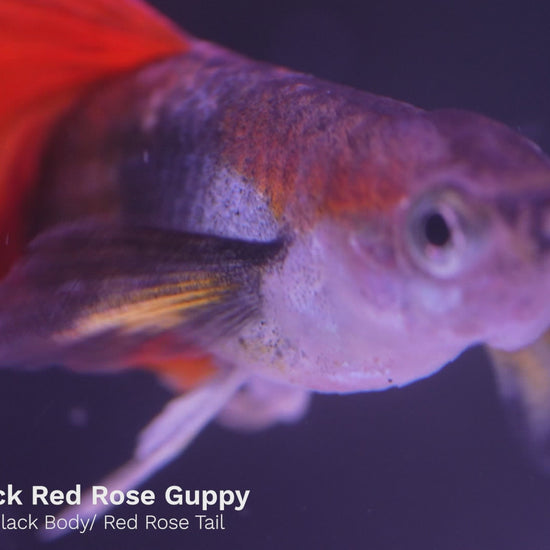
(436, 229)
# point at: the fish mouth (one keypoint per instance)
(527, 245)
(540, 223)
(529, 217)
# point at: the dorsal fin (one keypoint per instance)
(52, 52)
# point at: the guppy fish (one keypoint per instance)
(249, 233)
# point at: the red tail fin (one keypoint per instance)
(52, 51)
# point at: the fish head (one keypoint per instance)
(437, 239)
(469, 237)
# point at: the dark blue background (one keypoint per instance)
(429, 467)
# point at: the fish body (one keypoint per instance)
(216, 144)
(229, 224)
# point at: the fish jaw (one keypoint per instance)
(320, 331)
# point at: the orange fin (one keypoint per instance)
(181, 371)
(52, 52)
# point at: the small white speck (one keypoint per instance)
(78, 417)
(145, 157)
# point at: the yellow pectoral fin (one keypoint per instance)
(81, 283)
(523, 378)
(154, 309)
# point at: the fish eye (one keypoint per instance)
(439, 233)
(436, 229)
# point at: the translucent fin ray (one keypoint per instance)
(168, 435)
